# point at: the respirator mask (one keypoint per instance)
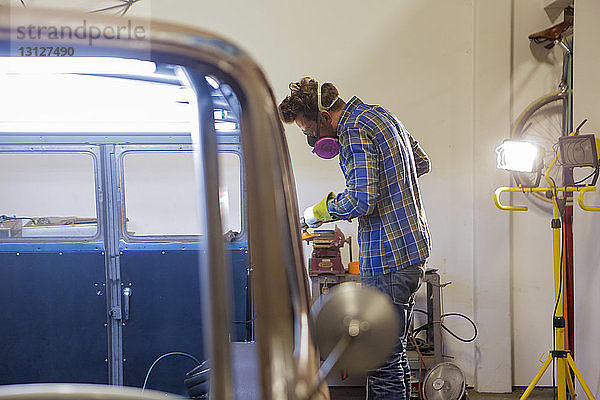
(326, 147)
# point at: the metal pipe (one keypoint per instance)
(213, 279)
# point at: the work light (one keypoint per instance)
(579, 151)
(519, 156)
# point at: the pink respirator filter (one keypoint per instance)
(327, 148)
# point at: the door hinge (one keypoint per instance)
(115, 313)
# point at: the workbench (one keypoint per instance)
(321, 285)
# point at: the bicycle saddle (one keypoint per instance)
(553, 33)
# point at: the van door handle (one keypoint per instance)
(127, 292)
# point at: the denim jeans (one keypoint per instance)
(391, 381)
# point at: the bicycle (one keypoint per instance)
(550, 116)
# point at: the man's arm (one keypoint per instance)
(362, 177)
(422, 162)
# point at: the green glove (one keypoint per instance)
(320, 209)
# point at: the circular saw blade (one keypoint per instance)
(445, 381)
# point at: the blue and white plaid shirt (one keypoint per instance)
(381, 162)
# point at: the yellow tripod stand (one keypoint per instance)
(565, 362)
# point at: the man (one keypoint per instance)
(381, 162)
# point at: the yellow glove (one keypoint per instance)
(316, 215)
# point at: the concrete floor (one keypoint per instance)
(358, 393)
(538, 394)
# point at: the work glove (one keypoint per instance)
(315, 216)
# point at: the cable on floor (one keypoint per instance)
(173, 353)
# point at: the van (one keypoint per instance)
(149, 232)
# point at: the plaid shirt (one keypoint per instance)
(381, 162)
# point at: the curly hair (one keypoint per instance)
(303, 100)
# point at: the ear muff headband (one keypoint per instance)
(313, 140)
(321, 106)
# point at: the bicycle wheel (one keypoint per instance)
(542, 123)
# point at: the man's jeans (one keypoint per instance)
(391, 381)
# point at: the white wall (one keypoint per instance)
(586, 225)
(491, 251)
(456, 72)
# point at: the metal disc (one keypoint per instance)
(371, 310)
(445, 381)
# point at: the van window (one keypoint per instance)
(160, 195)
(49, 195)
(230, 192)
